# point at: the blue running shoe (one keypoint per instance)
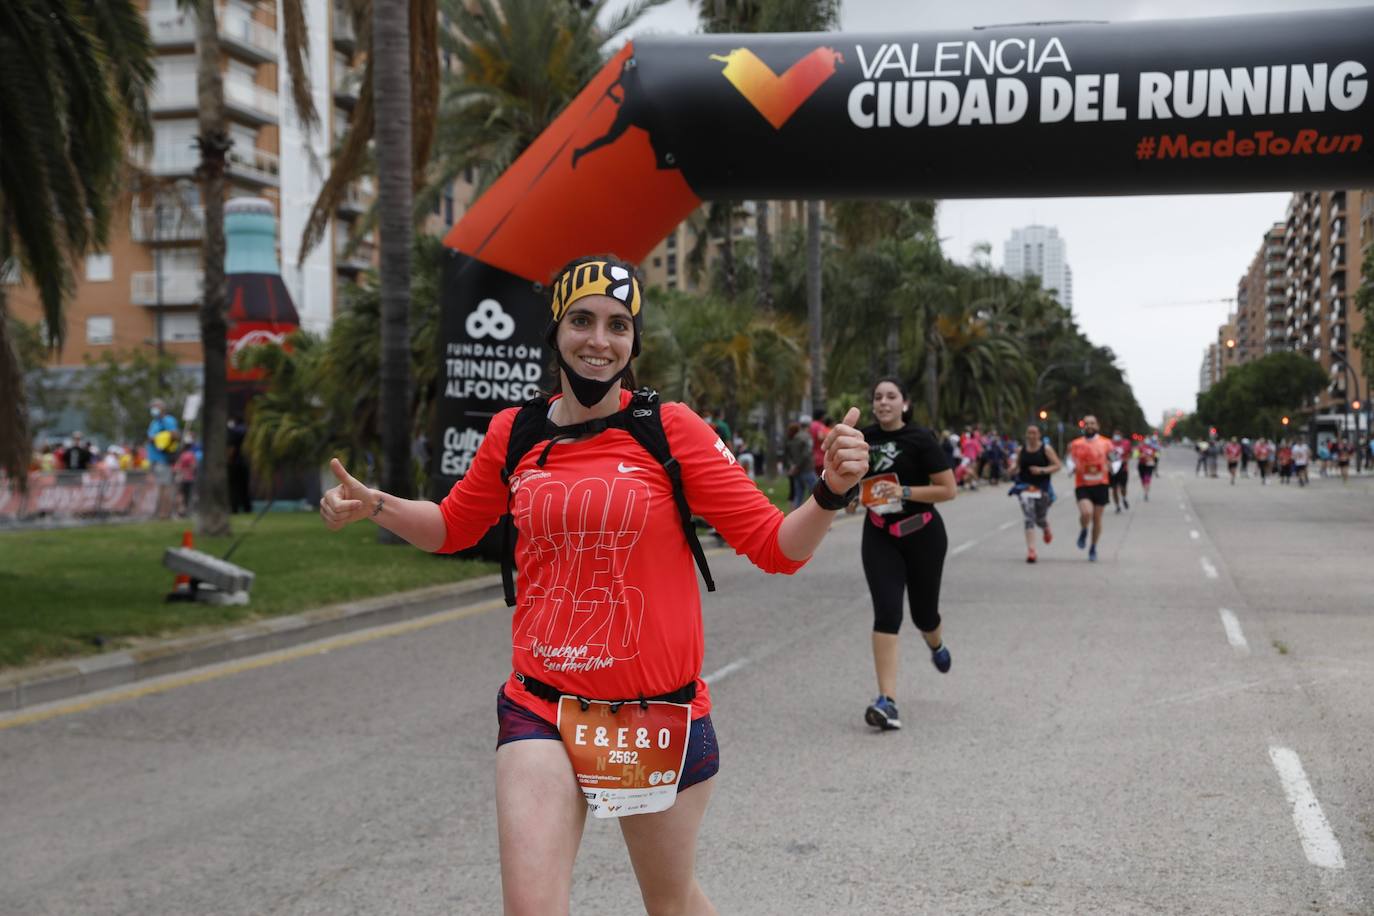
(1092, 554)
(883, 714)
(940, 659)
(1082, 538)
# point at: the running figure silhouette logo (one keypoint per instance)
(776, 97)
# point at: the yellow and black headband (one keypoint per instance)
(596, 278)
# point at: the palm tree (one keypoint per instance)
(520, 62)
(74, 80)
(212, 516)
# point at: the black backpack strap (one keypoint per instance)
(645, 424)
(528, 430)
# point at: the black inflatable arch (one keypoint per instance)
(1228, 104)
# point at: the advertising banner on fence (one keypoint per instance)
(72, 495)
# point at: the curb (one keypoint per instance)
(61, 680)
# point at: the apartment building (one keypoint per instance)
(1210, 372)
(1260, 301)
(667, 265)
(1323, 250)
(145, 289)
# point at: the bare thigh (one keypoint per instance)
(540, 813)
(663, 850)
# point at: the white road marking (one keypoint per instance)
(725, 671)
(962, 547)
(1208, 568)
(1318, 842)
(1193, 534)
(1233, 633)
(1004, 526)
(1187, 517)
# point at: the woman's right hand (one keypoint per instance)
(349, 502)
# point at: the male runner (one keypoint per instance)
(1092, 458)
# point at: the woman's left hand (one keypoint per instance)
(846, 454)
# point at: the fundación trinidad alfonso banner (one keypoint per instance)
(1245, 103)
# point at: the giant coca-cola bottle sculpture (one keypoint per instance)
(260, 308)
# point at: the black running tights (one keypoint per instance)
(912, 564)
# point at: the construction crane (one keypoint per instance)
(1170, 305)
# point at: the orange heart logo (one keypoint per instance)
(778, 97)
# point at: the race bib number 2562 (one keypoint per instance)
(627, 760)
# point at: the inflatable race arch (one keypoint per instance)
(1254, 103)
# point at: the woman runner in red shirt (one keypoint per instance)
(607, 626)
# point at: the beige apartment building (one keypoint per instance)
(1298, 295)
(146, 287)
(666, 265)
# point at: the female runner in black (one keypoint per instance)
(904, 541)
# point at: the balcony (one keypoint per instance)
(250, 102)
(179, 287)
(345, 39)
(247, 101)
(357, 198)
(252, 166)
(171, 224)
(362, 257)
(346, 85)
(239, 34)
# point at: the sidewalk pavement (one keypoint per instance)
(31, 686)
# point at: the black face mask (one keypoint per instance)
(588, 391)
(1089, 435)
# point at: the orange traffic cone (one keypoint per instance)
(181, 587)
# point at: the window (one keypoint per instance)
(448, 205)
(99, 267)
(181, 327)
(672, 264)
(658, 262)
(99, 330)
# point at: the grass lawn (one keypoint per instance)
(78, 591)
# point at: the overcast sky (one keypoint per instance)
(1127, 253)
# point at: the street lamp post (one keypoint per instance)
(1350, 375)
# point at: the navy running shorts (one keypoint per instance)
(519, 724)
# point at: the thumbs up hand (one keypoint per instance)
(846, 454)
(346, 503)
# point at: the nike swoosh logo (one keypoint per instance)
(777, 97)
(627, 468)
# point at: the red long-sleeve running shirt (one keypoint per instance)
(607, 600)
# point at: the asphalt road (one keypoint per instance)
(1183, 727)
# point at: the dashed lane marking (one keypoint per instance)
(1233, 632)
(1319, 843)
(1208, 568)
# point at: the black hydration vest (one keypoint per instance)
(641, 419)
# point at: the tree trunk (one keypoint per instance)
(764, 239)
(213, 139)
(933, 383)
(14, 418)
(727, 248)
(813, 304)
(894, 343)
(391, 89)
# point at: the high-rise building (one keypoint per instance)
(1040, 251)
(1323, 253)
(1210, 373)
(1260, 301)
